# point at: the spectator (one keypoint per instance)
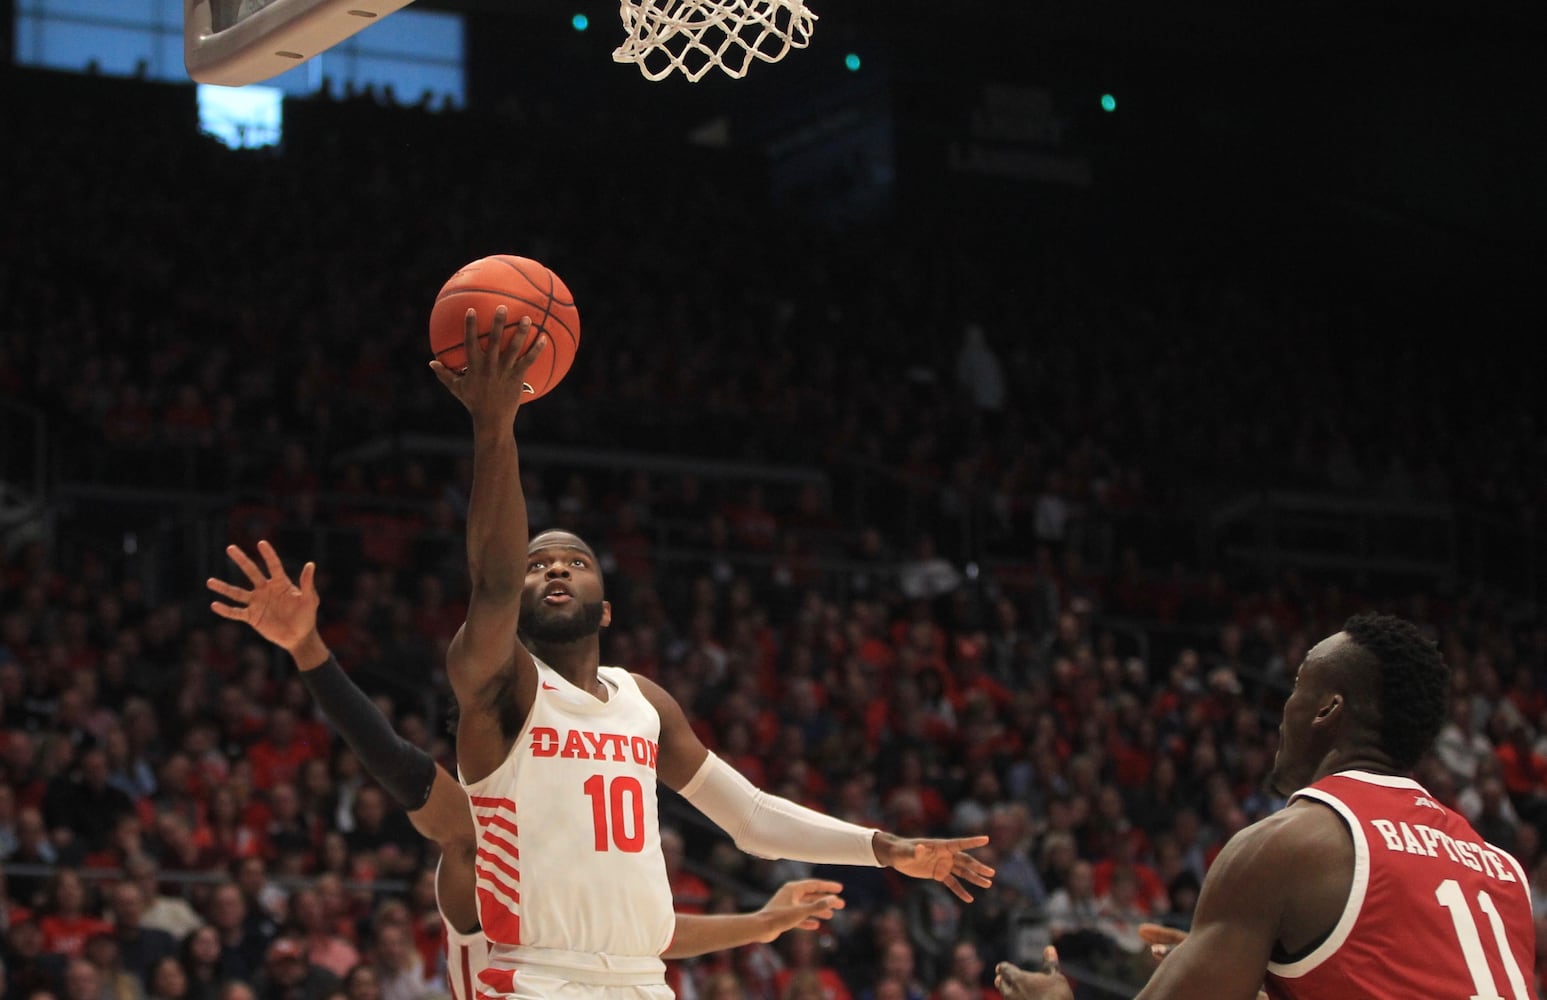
(375, 829)
(724, 985)
(169, 914)
(323, 945)
(139, 947)
(969, 970)
(202, 955)
(287, 975)
(86, 805)
(277, 758)
(934, 918)
(1121, 912)
(399, 969)
(804, 985)
(689, 893)
(28, 968)
(66, 922)
(897, 978)
(243, 943)
(1074, 918)
(166, 980)
(224, 835)
(129, 771)
(806, 975)
(1009, 833)
(8, 842)
(1182, 899)
(980, 372)
(927, 575)
(83, 982)
(117, 982)
(32, 848)
(265, 899)
(11, 912)
(1524, 770)
(288, 830)
(1495, 818)
(361, 983)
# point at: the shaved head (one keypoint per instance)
(555, 539)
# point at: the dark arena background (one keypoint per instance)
(979, 415)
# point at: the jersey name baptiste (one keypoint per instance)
(1434, 911)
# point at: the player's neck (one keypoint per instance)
(576, 661)
(1363, 758)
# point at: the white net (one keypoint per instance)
(694, 36)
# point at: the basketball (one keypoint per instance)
(525, 288)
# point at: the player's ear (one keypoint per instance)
(606, 613)
(1329, 710)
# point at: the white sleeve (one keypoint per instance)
(772, 827)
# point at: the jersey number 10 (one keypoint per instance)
(622, 801)
(1453, 899)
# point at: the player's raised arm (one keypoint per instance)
(285, 613)
(803, 904)
(773, 827)
(491, 674)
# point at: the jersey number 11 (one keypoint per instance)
(1450, 896)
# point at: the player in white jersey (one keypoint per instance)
(800, 904)
(286, 614)
(561, 754)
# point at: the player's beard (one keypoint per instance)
(556, 628)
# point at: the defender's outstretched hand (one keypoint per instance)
(282, 612)
(946, 861)
(1015, 983)
(1162, 940)
(493, 385)
(800, 905)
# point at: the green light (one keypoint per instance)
(580, 22)
(1108, 102)
(851, 61)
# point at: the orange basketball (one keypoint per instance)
(525, 288)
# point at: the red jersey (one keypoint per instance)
(68, 935)
(1433, 912)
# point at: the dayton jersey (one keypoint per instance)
(569, 844)
(467, 955)
(1434, 912)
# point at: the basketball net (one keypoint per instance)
(694, 36)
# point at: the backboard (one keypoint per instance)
(237, 42)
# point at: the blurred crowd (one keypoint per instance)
(177, 824)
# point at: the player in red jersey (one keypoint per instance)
(1364, 886)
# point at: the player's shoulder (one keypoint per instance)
(626, 675)
(1305, 831)
(658, 697)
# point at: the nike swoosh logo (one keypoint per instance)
(548, 687)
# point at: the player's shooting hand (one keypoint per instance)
(493, 386)
(282, 612)
(945, 861)
(802, 904)
(1014, 983)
